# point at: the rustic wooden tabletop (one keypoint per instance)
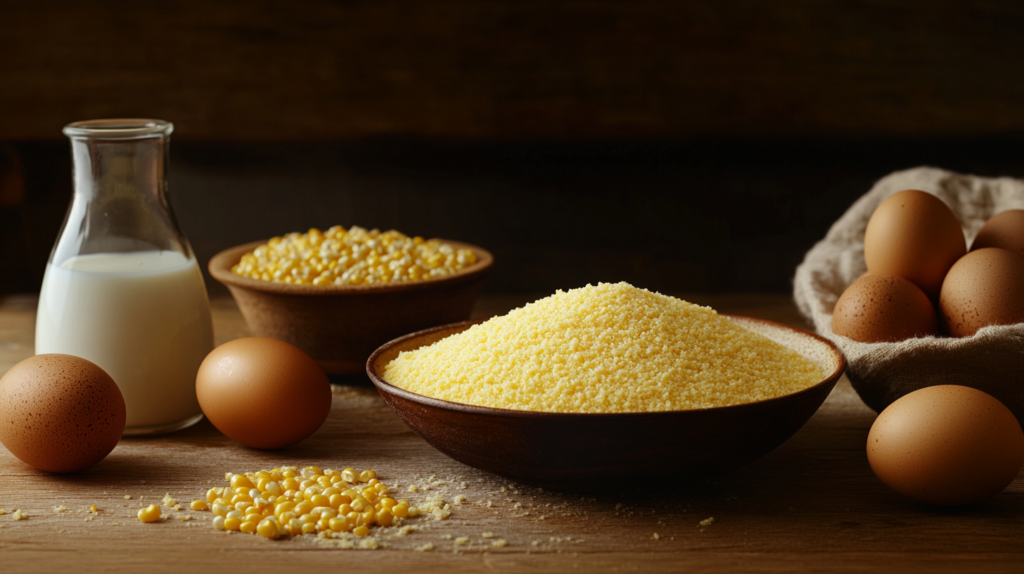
(812, 505)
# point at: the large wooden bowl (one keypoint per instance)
(340, 326)
(571, 450)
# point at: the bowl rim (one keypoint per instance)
(220, 268)
(386, 387)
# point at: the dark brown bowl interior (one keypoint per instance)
(571, 450)
(340, 326)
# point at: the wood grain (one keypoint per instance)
(464, 69)
(811, 505)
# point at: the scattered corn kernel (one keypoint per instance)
(93, 508)
(267, 528)
(149, 514)
(199, 505)
(324, 503)
(353, 257)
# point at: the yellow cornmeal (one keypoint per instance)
(604, 349)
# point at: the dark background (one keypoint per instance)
(680, 146)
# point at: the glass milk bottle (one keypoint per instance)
(122, 287)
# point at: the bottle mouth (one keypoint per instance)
(119, 129)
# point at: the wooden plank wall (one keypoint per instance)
(319, 70)
(692, 145)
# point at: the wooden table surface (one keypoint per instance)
(812, 505)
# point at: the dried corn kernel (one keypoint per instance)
(267, 528)
(149, 514)
(352, 257)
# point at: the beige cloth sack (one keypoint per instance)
(992, 360)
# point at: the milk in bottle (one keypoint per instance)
(122, 287)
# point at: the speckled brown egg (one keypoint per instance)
(60, 413)
(985, 287)
(262, 392)
(883, 308)
(914, 235)
(946, 444)
(1004, 230)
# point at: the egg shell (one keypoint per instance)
(60, 413)
(946, 445)
(914, 235)
(985, 287)
(262, 392)
(1004, 230)
(883, 308)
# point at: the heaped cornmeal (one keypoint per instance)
(604, 349)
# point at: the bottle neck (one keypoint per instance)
(120, 201)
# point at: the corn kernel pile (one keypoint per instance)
(353, 257)
(288, 501)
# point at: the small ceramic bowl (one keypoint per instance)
(572, 450)
(341, 325)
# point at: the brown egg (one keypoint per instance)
(914, 235)
(60, 413)
(985, 287)
(263, 393)
(1005, 230)
(880, 308)
(947, 445)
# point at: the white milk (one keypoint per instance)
(143, 317)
